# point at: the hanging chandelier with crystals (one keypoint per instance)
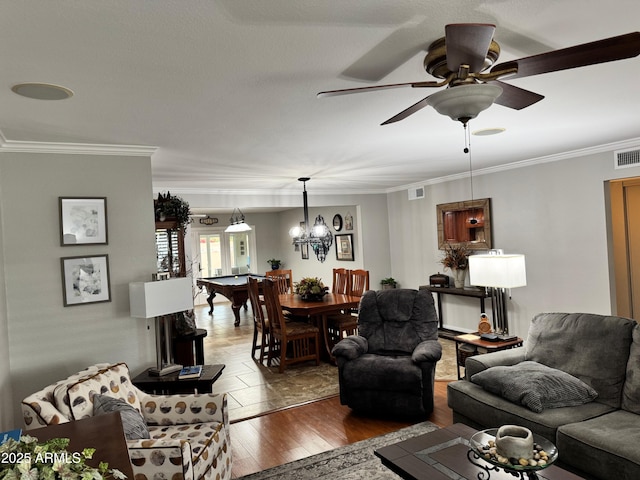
(318, 236)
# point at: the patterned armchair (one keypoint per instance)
(188, 434)
(389, 367)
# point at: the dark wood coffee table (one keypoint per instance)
(170, 384)
(442, 455)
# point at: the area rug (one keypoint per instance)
(351, 462)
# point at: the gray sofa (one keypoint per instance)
(597, 438)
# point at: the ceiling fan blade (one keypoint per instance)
(516, 97)
(600, 51)
(408, 111)
(346, 91)
(468, 44)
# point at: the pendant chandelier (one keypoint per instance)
(318, 237)
(237, 223)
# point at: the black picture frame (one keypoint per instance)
(337, 222)
(83, 221)
(85, 279)
(344, 247)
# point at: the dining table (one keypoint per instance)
(318, 310)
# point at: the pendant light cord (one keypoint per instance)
(467, 150)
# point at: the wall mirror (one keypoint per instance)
(465, 222)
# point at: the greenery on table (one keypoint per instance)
(310, 286)
(29, 459)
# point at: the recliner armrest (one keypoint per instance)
(351, 347)
(427, 351)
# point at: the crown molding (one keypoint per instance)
(556, 157)
(75, 148)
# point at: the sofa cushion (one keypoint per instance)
(593, 348)
(631, 390)
(535, 386)
(132, 421)
(605, 446)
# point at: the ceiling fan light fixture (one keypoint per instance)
(464, 102)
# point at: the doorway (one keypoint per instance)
(624, 197)
(221, 253)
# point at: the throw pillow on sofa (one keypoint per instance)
(535, 386)
(132, 422)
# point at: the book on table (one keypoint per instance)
(193, 371)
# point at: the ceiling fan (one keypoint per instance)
(461, 60)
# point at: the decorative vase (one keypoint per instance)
(513, 441)
(459, 276)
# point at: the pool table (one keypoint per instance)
(234, 287)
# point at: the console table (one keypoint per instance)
(479, 293)
(170, 384)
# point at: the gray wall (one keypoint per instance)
(45, 340)
(554, 213)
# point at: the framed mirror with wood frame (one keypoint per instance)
(466, 222)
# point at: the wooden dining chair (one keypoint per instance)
(294, 341)
(346, 323)
(341, 278)
(260, 321)
(284, 279)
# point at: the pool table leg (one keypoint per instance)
(212, 295)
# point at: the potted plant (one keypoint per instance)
(456, 258)
(275, 263)
(310, 288)
(172, 208)
(388, 283)
(28, 458)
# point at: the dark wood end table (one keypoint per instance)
(170, 384)
(442, 455)
(474, 340)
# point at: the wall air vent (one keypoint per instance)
(627, 158)
(416, 193)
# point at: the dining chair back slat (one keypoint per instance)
(359, 282)
(341, 278)
(284, 279)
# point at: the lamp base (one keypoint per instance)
(165, 370)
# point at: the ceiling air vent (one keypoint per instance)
(627, 158)
(416, 193)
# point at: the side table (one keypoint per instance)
(475, 342)
(189, 349)
(170, 384)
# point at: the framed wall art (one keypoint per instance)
(85, 280)
(83, 221)
(344, 247)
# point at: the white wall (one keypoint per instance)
(554, 213)
(47, 341)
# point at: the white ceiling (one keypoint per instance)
(226, 89)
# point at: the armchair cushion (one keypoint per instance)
(535, 386)
(132, 421)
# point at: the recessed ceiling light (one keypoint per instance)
(42, 91)
(484, 132)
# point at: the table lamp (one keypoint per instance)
(161, 299)
(498, 272)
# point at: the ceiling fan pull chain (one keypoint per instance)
(467, 150)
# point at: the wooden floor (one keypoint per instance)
(298, 432)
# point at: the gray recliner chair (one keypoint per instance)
(389, 367)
